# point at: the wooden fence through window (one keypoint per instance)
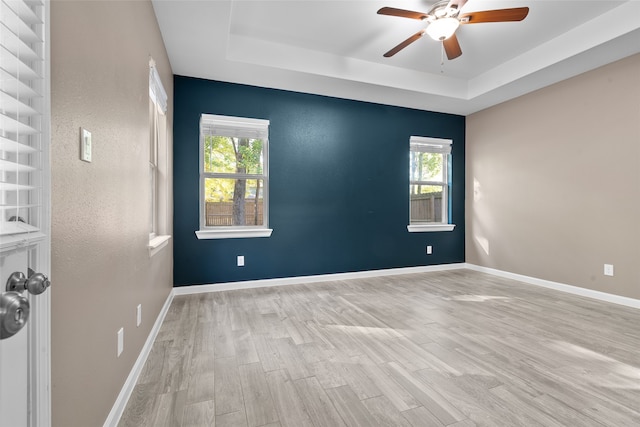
(221, 213)
(426, 207)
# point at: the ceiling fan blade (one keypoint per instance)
(499, 15)
(452, 47)
(404, 44)
(392, 11)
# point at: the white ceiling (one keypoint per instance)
(335, 47)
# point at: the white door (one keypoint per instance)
(24, 214)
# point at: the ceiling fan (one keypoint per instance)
(445, 17)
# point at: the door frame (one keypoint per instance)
(39, 326)
(39, 330)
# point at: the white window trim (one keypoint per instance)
(435, 145)
(157, 243)
(158, 96)
(257, 128)
(235, 233)
(422, 228)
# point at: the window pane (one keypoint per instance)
(426, 203)
(231, 202)
(426, 166)
(223, 154)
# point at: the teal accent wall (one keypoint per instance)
(338, 192)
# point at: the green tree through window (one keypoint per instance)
(239, 156)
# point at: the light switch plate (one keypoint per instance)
(120, 341)
(240, 261)
(85, 145)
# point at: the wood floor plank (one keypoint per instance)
(506, 412)
(224, 345)
(397, 395)
(463, 423)
(267, 353)
(239, 319)
(199, 414)
(204, 337)
(170, 409)
(385, 413)
(152, 370)
(319, 406)
(419, 417)
(259, 406)
(245, 347)
(431, 399)
(327, 375)
(139, 411)
(297, 331)
(472, 407)
(358, 379)
(293, 361)
(232, 419)
(201, 379)
(291, 409)
(227, 388)
(567, 415)
(525, 406)
(176, 367)
(350, 408)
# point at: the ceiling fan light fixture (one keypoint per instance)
(443, 28)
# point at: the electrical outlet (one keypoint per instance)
(608, 269)
(120, 341)
(139, 315)
(429, 250)
(240, 260)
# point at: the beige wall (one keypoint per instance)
(101, 269)
(553, 182)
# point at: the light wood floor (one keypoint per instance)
(456, 348)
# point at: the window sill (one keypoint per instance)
(425, 228)
(234, 234)
(157, 243)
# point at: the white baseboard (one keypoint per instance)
(121, 402)
(248, 284)
(576, 290)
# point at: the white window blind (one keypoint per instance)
(235, 127)
(430, 145)
(22, 104)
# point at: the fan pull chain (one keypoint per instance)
(442, 58)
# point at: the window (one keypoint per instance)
(234, 177)
(157, 161)
(429, 184)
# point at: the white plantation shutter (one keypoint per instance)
(22, 105)
(158, 96)
(156, 91)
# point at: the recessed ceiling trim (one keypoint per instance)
(254, 51)
(603, 29)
